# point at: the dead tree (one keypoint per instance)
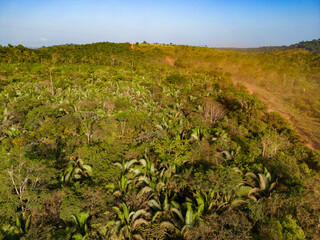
(214, 111)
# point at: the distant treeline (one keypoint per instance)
(105, 53)
(312, 46)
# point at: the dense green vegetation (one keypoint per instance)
(103, 141)
(312, 46)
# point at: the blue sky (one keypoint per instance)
(215, 23)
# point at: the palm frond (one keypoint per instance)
(252, 175)
(137, 236)
(263, 182)
(158, 214)
(178, 213)
(138, 222)
(138, 213)
(168, 225)
(272, 186)
(154, 203)
(254, 191)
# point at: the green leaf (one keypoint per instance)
(145, 190)
(137, 236)
(237, 203)
(168, 225)
(185, 230)
(139, 222)
(75, 219)
(110, 186)
(154, 203)
(143, 162)
(77, 236)
(252, 175)
(80, 162)
(272, 186)
(138, 213)
(158, 214)
(144, 179)
(18, 223)
(117, 193)
(119, 165)
(189, 217)
(125, 210)
(244, 191)
(130, 163)
(77, 170)
(27, 225)
(77, 176)
(194, 135)
(254, 191)
(82, 217)
(67, 177)
(263, 182)
(119, 213)
(178, 213)
(88, 170)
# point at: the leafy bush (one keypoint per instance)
(176, 79)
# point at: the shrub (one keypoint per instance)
(288, 229)
(176, 79)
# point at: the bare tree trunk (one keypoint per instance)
(19, 187)
(51, 82)
(123, 127)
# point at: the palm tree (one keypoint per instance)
(127, 224)
(220, 136)
(155, 183)
(218, 201)
(123, 186)
(184, 223)
(263, 185)
(196, 134)
(145, 168)
(19, 229)
(125, 167)
(147, 178)
(162, 206)
(204, 201)
(76, 171)
(224, 201)
(231, 154)
(81, 225)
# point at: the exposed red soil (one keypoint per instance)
(271, 108)
(170, 60)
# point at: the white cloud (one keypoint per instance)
(42, 39)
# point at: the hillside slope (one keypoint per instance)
(289, 80)
(106, 141)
